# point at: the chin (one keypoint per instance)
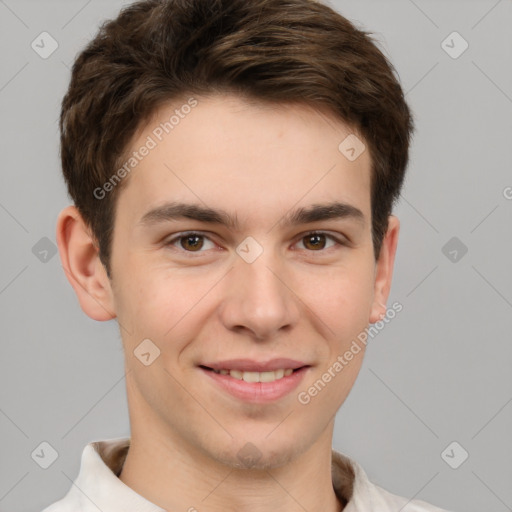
(257, 456)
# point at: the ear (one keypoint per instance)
(384, 270)
(80, 259)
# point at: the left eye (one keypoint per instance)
(317, 241)
(195, 242)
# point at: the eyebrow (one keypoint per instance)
(314, 213)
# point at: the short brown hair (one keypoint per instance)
(276, 51)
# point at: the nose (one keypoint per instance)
(259, 298)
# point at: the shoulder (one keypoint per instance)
(385, 500)
(365, 495)
(62, 505)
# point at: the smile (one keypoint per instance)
(256, 387)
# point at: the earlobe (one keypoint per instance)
(82, 266)
(384, 270)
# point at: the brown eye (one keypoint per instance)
(318, 241)
(192, 242)
(315, 241)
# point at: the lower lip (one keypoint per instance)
(258, 392)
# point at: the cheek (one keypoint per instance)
(142, 303)
(162, 305)
(341, 299)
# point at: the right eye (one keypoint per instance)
(189, 242)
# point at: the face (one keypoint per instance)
(242, 240)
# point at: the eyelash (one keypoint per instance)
(186, 234)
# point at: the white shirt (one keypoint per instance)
(97, 486)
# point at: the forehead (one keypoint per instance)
(227, 151)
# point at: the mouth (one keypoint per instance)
(257, 387)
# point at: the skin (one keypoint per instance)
(296, 300)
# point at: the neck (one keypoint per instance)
(175, 476)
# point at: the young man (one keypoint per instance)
(233, 167)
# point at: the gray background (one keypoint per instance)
(438, 373)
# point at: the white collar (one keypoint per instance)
(97, 486)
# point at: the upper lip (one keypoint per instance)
(249, 365)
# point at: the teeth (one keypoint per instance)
(236, 374)
(257, 376)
